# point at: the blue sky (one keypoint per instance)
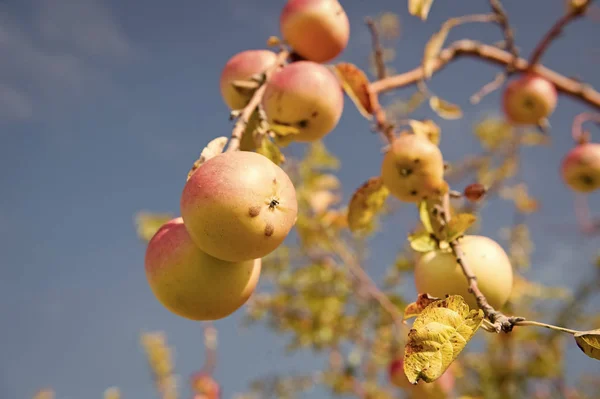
(105, 104)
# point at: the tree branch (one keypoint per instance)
(567, 86)
(377, 49)
(246, 112)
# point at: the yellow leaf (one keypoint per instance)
(356, 85)
(273, 41)
(459, 224)
(534, 137)
(492, 133)
(414, 309)
(445, 109)
(321, 200)
(419, 8)
(44, 394)
(425, 217)
(366, 202)
(434, 46)
(271, 151)
(112, 393)
(422, 242)
(212, 149)
(589, 343)
(389, 25)
(437, 337)
(426, 128)
(284, 130)
(147, 223)
(250, 133)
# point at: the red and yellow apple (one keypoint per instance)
(318, 30)
(304, 95)
(413, 168)
(438, 274)
(191, 283)
(204, 384)
(239, 206)
(580, 168)
(242, 66)
(529, 99)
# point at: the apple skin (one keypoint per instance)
(242, 66)
(413, 168)
(396, 374)
(440, 388)
(191, 283)
(438, 274)
(580, 168)
(205, 386)
(528, 99)
(318, 30)
(305, 95)
(239, 206)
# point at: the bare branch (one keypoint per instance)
(377, 49)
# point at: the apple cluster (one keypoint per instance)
(239, 206)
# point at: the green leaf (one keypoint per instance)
(437, 337)
(271, 151)
(422, 242)
(589, 343)
(459, 224)
(366, 203)
(425, 217)
(147, 223)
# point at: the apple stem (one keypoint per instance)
(246, 112)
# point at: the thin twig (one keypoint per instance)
(555, 31)
(377, 49)
(549, 326)
(577, 128)
(507, 31)
(244, 117)
(567, 86)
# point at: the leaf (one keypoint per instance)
(492, 133)
(426, 128)
(533, 138)
(589, 343)
(414, 309)
(445, 109)
(425, 217)
(212, 149)
(283, 130)
(459, 224)
(438, 335)
(147, 223)
(356, 85)
(434, 46)
(271, 151)
(366, 202)
(419, 8)
(112, 393)
(422, 242)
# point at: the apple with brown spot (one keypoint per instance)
(580, 168)
(529, 99)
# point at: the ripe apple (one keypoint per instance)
(239, 206)
(204, 384)
(242, 66)
(307, 96)
(396, 374)
(318, 30)
(580, 168)
(191, 283)
(438, 274)
(413, 168)
(529, 99)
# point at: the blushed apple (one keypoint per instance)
(580, 168)
(529, 99)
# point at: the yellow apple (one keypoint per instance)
(239, 206)
(529, 99)
(191, 283)
(438, 274)
(318, 30)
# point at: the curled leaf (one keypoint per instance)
(459, 224)
(356, 85)
(438, 335)
(422, 242)
(493, 133)
(426, 128)
(212, 149)
(284, 130)
(589, 343)
(434, 46)
(147, 223)
(425, 217)
(271, 151)
(419, 8)
(414, 309)
(445, 109)
(366, 202)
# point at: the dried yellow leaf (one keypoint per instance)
(459, 224)
(366, 202)
(434, 47)
(589, 343)
(419, 8)
(356, 85)
(440, 332)
(422, 242)
(445, 109)
(212, 149)
(415, 308)
(426, 128)
(147, 224)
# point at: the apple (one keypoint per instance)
(440, 388)
(204, 384)
(239, 206)
(529, 99)
(438, 274)
(396, 374)
(242, 66)
(191, 283)
(318, 30)
(304, 95)
(413, 168)
(580, 168)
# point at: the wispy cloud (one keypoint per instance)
(62, 53)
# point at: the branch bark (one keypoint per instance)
(564, 85)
